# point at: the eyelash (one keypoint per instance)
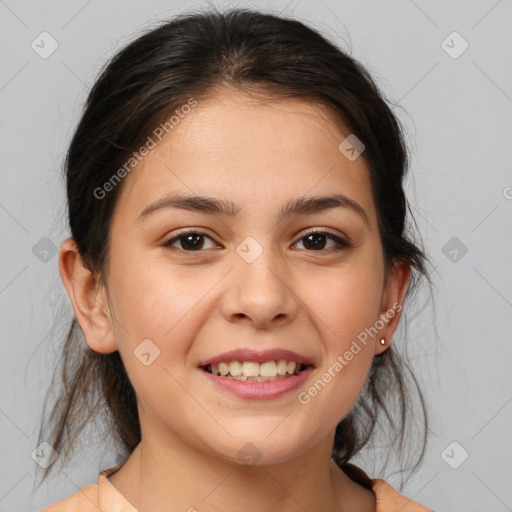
(341, 243)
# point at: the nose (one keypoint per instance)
(260, 294)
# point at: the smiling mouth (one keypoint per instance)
(251, 371)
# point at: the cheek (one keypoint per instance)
(346, 307)
(347, 312)
(153, 330)
(163, 304)
(346, 303)
(151, 299)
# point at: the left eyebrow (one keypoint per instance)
(298, 206)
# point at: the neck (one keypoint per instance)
(177, 476)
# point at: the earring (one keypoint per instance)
(383, 341)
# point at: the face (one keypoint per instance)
(185, 286)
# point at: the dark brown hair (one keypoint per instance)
(195, 55)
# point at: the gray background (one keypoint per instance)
(457, 113)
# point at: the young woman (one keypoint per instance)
(238, 267)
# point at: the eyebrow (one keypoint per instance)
(298, 206)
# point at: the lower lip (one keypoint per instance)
(258, 390)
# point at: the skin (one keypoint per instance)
(197, 304)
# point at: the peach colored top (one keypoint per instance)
(104, 497)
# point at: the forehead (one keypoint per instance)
(250, 150)
(232, 121)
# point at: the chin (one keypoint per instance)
(256, 449)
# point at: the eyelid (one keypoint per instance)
(344, 241)
(185, 231)
(311, 231)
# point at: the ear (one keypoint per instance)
(393, 296)
(88, 294)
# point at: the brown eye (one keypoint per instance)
(190, 241)
(317, 240)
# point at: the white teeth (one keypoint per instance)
(223, 369)
(268, 369)
(250, 369)
(235, 368)
(281, 367)
(253, 370)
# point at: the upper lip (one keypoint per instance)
(258, 356)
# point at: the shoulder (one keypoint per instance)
(390, 500)
(386, 497)
(84, 499)
(100, 496)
